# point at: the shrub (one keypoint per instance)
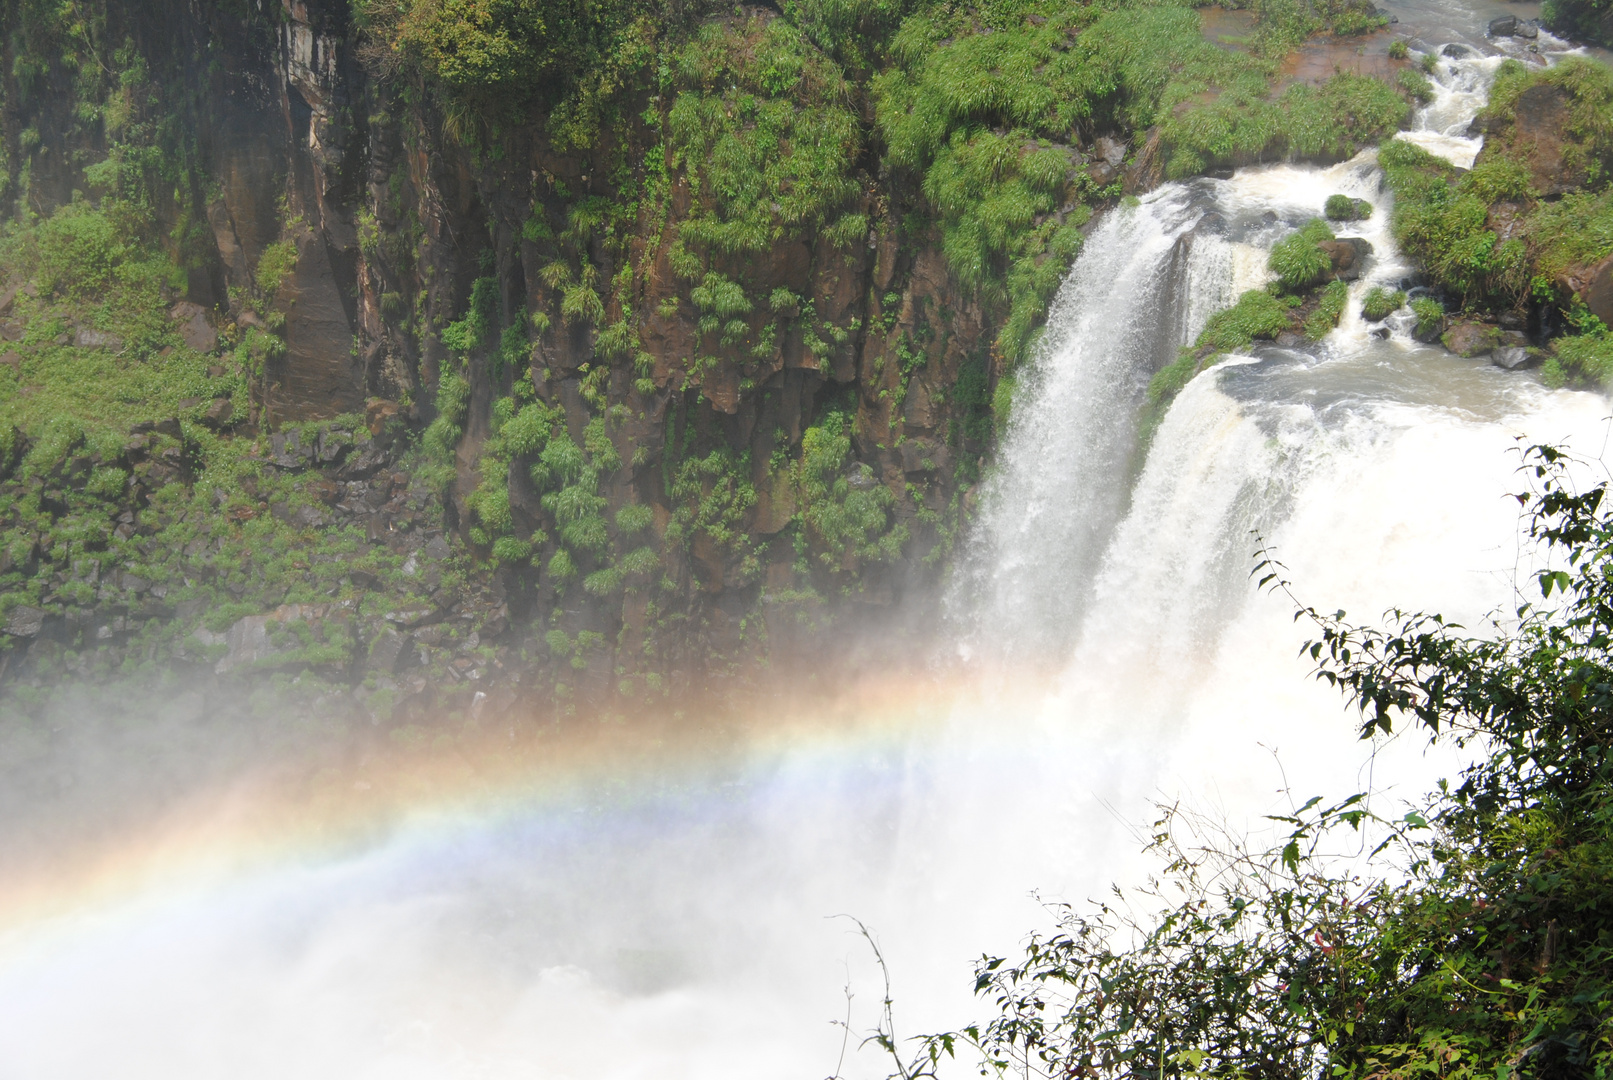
(79, 248)
(1581, 360)
(1430, 316)
(1257, 314)
(1380, 303)
(1415, 85)
(761, 125)
(276, 263)
(1297, 260)
(1320, 322)
(1398, 49)
(1344, 208)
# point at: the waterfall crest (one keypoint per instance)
(1064, 465)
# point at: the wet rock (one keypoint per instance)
(1470, 339)
(219, 413)
(411, 617)
(24, 621)
(97, 339)
(364, 461)
(197, 332)
(1456, 51)
(377, 412)
(1108, 154)
(1428, 332)
(1290, 340)
(1348, 256)
(922, 456)
(331, 446)
(251, 639)
(1511, 358)
(169, 427)
(386, 651)
(1380, 333)
(289, 450)
(1592, 286)
(310, 517)
(1505, 26)
(1528, 29)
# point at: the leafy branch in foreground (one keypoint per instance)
(1475, 939)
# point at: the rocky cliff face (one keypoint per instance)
(632, 467)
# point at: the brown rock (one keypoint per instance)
(1469, 339)
(377, 411)
(319, 377)
(1593, 285)
(775, 505)
(218, 414)
(1348, 256)
(194, 328)
(1538, 135)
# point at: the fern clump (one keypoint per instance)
(1298, 261)
(1344, 208)
(1381, 303)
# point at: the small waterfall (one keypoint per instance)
(1066, 459)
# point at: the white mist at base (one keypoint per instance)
(687, 930)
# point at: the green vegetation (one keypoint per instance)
(1297, 260)
(846, 512)
(1430, 318)
(1580, 20)
(1470, 940)
(1581, 360)
(985, 108)
(1344, 208)
(1329, 306)
(1380, 303)
(763, 132)
(1444, 219)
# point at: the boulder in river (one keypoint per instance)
(1505, 26)
(1511, 358)
(1468, 339)
(1348, 255)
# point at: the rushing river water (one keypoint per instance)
(674, 917)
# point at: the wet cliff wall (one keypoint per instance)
(385, 354)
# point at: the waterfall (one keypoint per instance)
(1065, 460)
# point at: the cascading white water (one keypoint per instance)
(679, 928)
(1066, 458)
